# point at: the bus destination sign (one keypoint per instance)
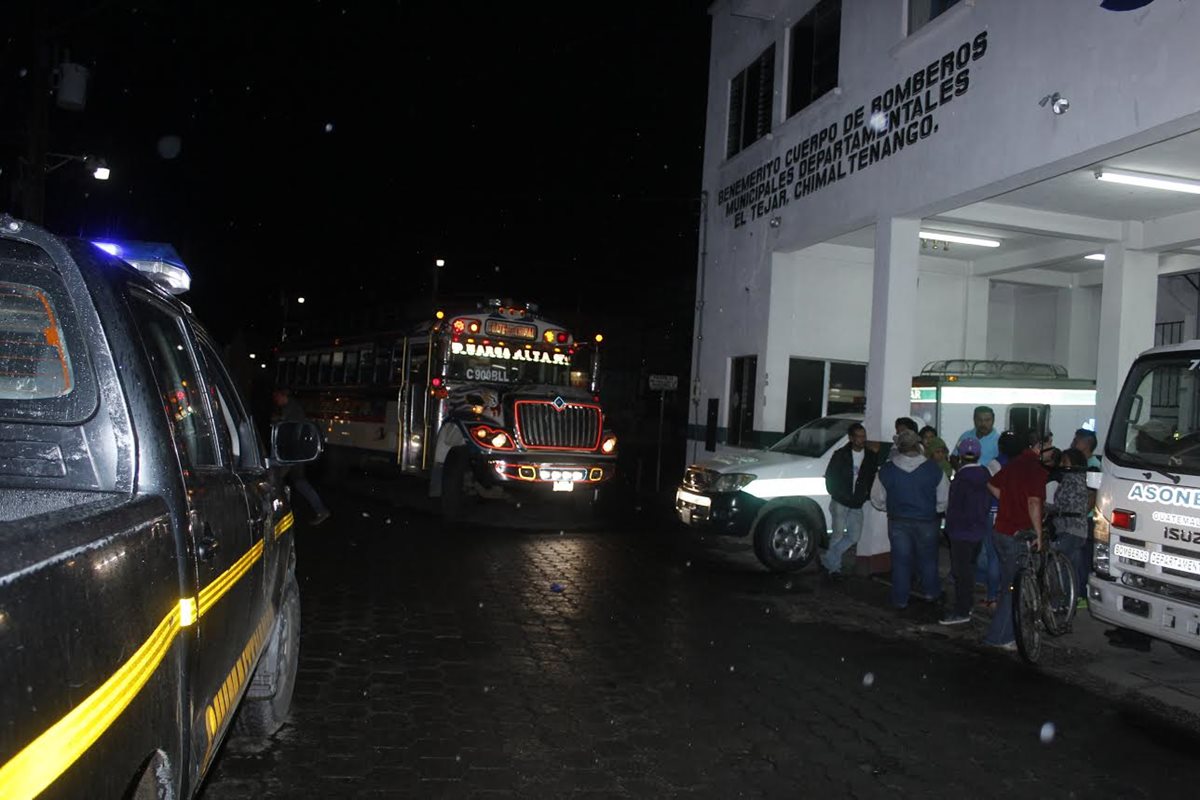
(513, 330)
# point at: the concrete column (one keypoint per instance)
(1075, 333)
(893, 324)
(975, 320)
(1127, 313)
(893, 352)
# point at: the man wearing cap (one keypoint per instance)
(968, 522)
(913, 491)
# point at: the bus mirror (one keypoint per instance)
(295, 442)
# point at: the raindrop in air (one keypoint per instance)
(329, 127)
(1047, 732)
(878, 122)
(869, 680)
(22, 72)
(169, 147)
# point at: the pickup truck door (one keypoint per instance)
(244, 453)
(225, 551)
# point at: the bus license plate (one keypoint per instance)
(564, 486)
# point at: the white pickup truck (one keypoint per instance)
(773, 499)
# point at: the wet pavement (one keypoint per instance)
(617, 661)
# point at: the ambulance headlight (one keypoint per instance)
(732, 482)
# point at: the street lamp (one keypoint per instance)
(97, 166)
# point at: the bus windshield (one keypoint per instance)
(1157, 420)
(499, 370)
(814, 438)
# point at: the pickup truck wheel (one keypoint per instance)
(785, 540)
(275, 678)
(457, 497)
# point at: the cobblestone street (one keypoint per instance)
(442, 661)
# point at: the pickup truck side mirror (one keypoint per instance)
(295, 442)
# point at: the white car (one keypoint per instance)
(774, 499)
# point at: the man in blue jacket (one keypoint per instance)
(848, 479)
(913, 491)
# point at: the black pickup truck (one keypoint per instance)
(147, 583)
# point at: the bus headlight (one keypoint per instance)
(493, 438)
(609, 445)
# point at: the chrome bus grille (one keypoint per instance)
(541, 424)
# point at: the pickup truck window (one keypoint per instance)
(45, 372)
(178, 384)
(34, 361)
(238, 433)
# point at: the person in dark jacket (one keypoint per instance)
(968, 522)
(913, 491)
(848, 479)
(288, 409)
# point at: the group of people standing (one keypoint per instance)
(988, 488)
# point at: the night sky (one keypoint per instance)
(335, 149)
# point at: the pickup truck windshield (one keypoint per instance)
(1157, 419)
(814, 438)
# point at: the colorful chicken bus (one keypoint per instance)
(484, 404)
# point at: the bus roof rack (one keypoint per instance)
(979, 368)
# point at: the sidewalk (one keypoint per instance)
(1161, 678)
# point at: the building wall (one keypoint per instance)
(1130, 80)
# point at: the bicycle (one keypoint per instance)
(1043, 595)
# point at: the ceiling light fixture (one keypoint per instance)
(1148, 180)
(1095, 257)
(1058, 103)
(952, 237)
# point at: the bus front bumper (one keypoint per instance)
(558, 473)
(1169, 618)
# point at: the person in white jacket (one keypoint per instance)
(912, 490)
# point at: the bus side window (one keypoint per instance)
(366, 366)
(351, 376)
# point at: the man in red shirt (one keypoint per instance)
(1021, 489)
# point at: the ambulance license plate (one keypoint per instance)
(564, 486)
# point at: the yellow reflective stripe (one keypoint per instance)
(284, 524)
(47, 757)
(216, 590)
(223, 701)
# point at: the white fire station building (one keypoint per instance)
(894, 182)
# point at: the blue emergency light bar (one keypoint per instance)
(158, 260)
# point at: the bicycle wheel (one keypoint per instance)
(1058, 593)
(1027, 614)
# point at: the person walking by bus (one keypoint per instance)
(288, 409)
(985, 431)
(913, 491)
(968, 522)
(848, 479)
(1021, 489)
